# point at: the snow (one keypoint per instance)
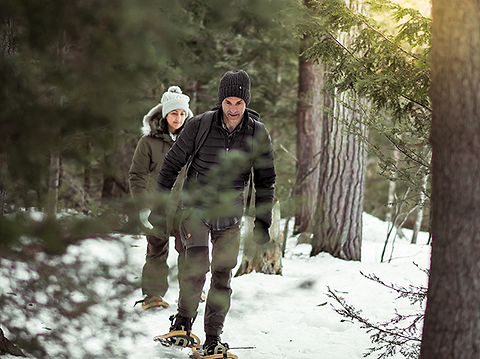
(282, 316)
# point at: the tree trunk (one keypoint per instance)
(452, 318)
(3, 194)
(338, 227)
(7, 36)
(393, 211)
(53, 185)
(417, 227)
(311, 81)
(113, 188)
(87, 182)
(392, 188)
(267, 258)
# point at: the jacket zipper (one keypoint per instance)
(227, 145)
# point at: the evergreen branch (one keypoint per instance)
(309, 172)
(408, 153)
(366, 23)
(345, 48)
(288, 152)
(366, 68)
(338, 17)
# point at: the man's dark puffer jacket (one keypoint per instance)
(221, 168)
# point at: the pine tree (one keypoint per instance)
(310, 115)
(389, 73)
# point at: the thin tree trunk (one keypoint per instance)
(417, 227)
(394, 208)
(3, 194)
(54, 181)
(87, 183)
(3, 182)
(392, 186)
(6, 39)
(452, 317)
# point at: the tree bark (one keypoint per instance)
(113, 188)
(267, 258)
(338, 227)
(452, 318)
(311, 80)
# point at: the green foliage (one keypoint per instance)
(77, 78)
(65, 83)
(389, 71)
(78, 82)
(252, 35)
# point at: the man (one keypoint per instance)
(218, 173)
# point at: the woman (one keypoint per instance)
(160, 128)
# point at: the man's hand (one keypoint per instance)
(260, 232)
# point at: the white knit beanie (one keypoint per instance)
(174, 99)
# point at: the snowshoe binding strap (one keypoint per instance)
(179, 338)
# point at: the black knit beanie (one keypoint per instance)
(234, 84)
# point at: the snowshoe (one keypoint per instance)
(212, 349)
(152, 302)
(180, 333)
(199, 353)
(178, 338)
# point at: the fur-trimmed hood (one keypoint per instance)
(152, 121)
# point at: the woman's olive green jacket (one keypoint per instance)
(149, 154)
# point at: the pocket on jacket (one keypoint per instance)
(193, 232)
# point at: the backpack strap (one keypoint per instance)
(204, 128)
(205, 124)
(250, 180)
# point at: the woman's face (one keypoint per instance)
(175, 119)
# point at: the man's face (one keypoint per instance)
(233, 108)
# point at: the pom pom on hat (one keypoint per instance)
(174, 99)
(234, 84)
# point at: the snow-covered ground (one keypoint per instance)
(287, 316)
